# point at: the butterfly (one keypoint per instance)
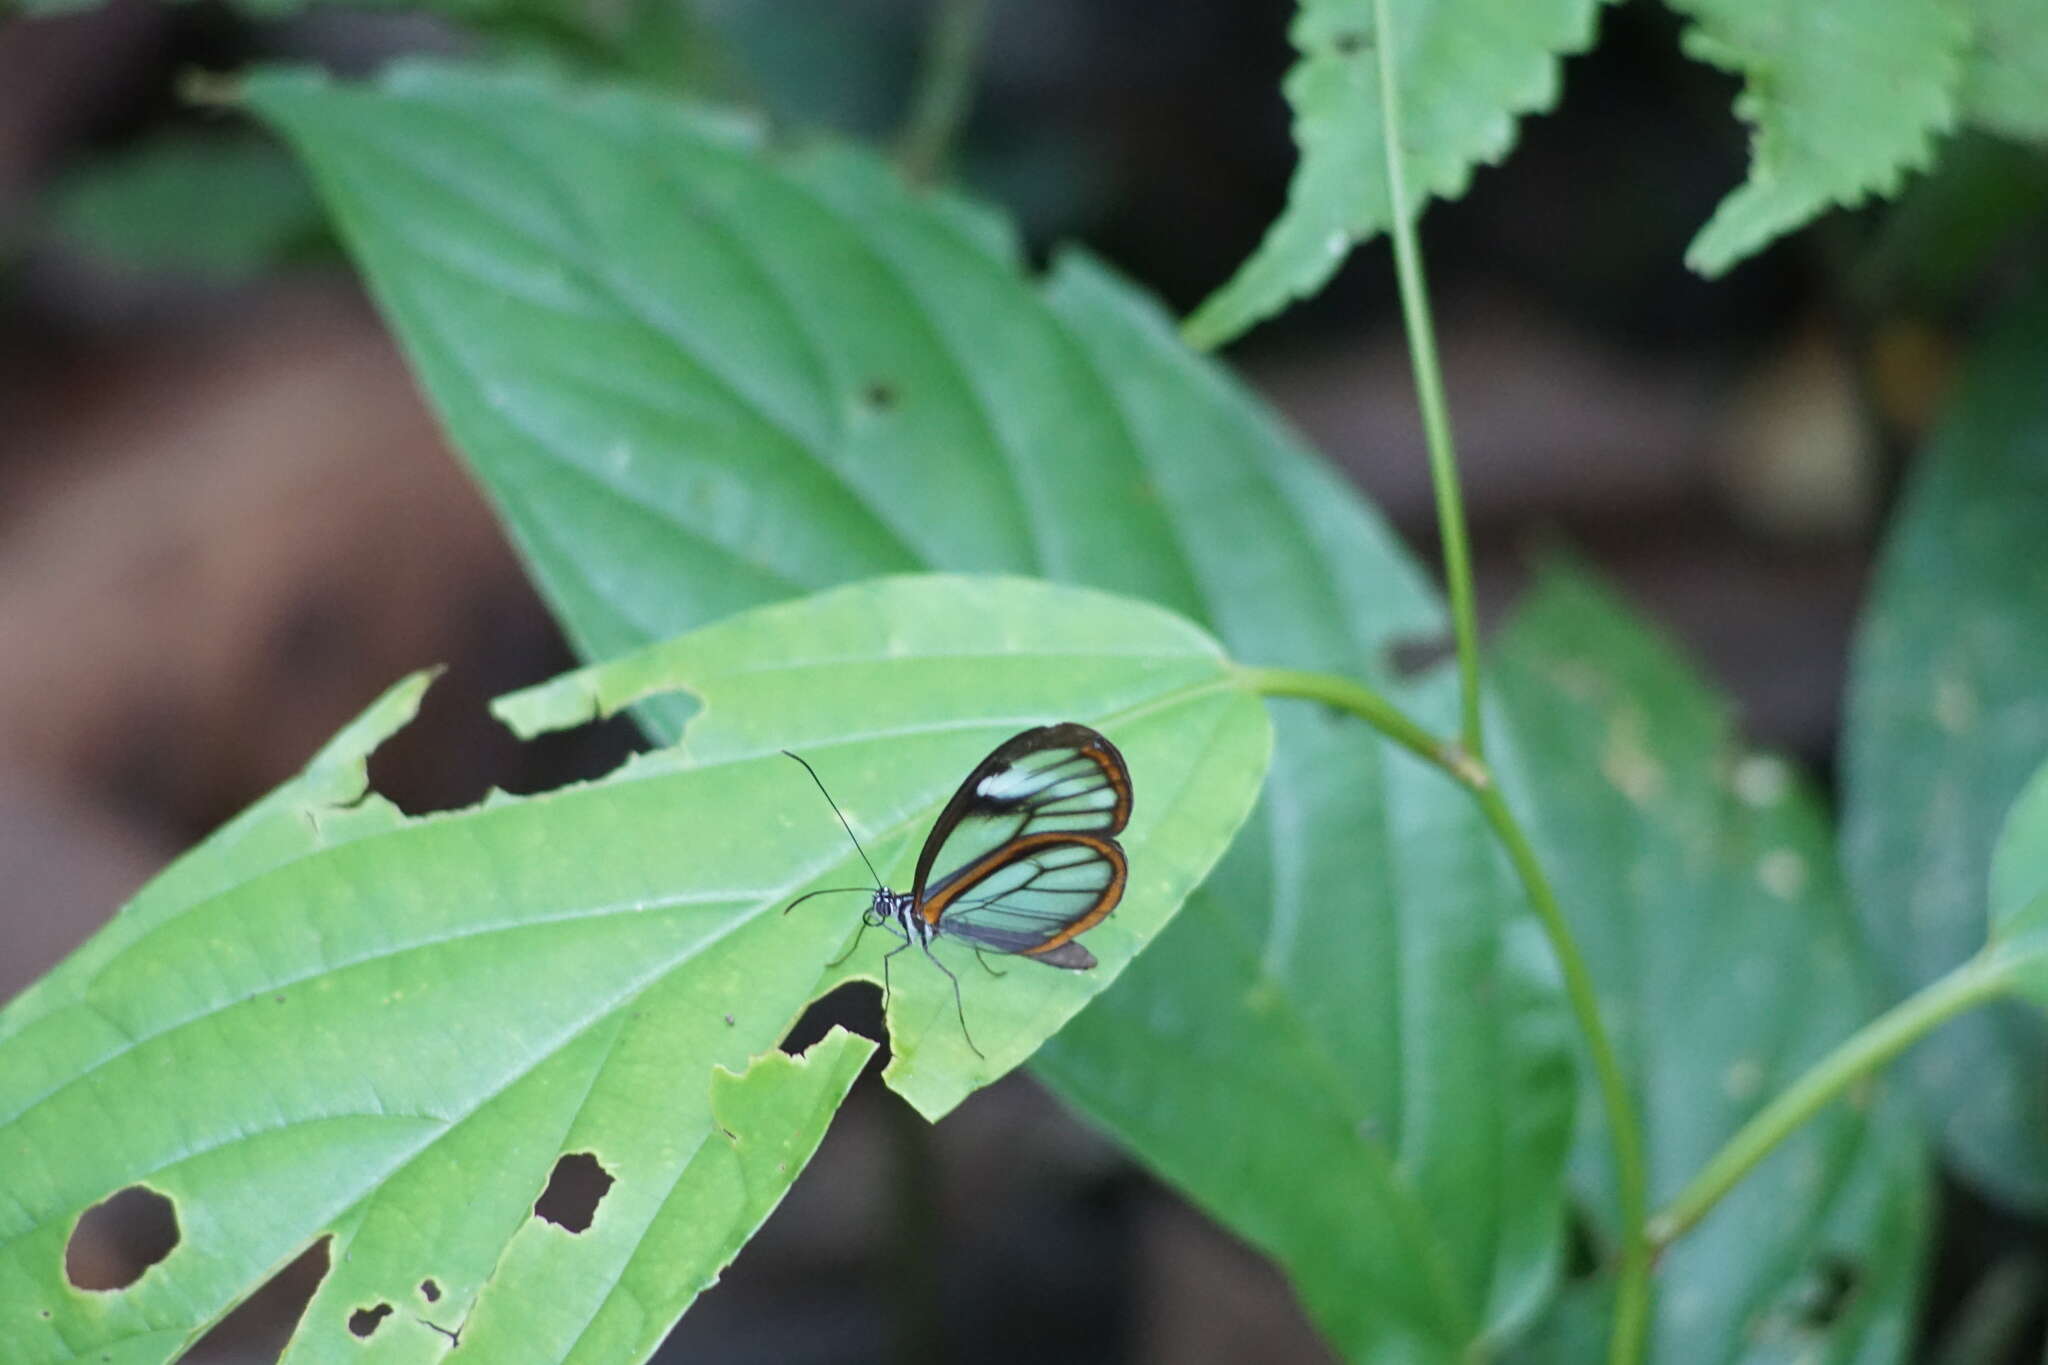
(1025, 852)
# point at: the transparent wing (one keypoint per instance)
(1055, 779)
(1033, 896)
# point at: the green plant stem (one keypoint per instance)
(1632, 1304)
(945, 87)
(1982, 978)
(1632, 1290)
(1429, 395)
(1361, 701)
(1631, 1325)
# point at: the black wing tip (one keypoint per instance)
(1067, 729)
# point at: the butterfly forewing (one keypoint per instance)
(1064, 778)
(1025, 850)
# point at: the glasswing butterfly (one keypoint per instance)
(1026, 855)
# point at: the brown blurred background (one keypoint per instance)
(227, 522)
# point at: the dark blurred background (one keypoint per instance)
(227, 522)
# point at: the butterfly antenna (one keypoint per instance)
(842, 820)
(827, 891)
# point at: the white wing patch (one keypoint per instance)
(1008, 784)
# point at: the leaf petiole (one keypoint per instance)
(1985, 977)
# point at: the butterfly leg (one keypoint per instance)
(958, 1008)
(984, 964)
(851, 950)
(885, 970)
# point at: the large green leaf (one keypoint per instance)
(1947, 717)
(867, 681)
(1468, 70)
(694, 377)
(1844, 96)
(333, 1021)
(1702, 883)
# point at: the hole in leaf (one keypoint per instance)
(855, 1006)
(430, 1291)
(416, 769)
(364, 1321)
(263, 1323)
(575, 1189)
(118, 1239)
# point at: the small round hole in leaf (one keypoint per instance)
(364, 1321)
(118, 1239)
(430, 1291)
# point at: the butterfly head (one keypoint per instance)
(887, 907)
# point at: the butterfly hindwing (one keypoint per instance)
(1026, 848)
(1033, 895)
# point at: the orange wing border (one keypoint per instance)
(934, 907)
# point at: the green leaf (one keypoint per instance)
(224, 207)
(1701, 883)
(1946, 720)
(2005, 85)
(332, 1021)
(1468, 70)
(865, 680)
(1845, 97)
(695, 377)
